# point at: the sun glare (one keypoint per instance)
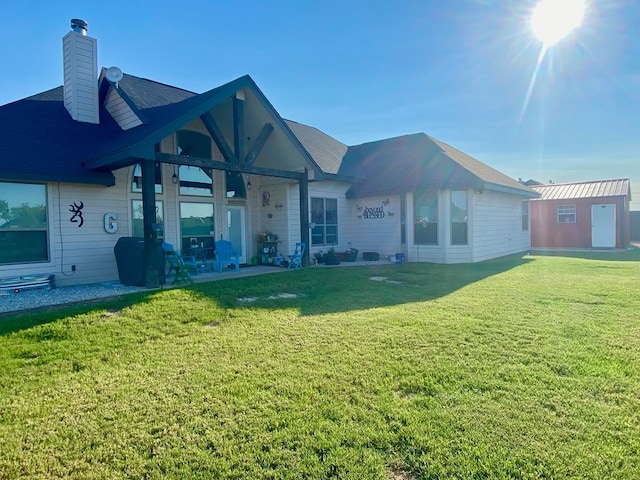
(553, 20)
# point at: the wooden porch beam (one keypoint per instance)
(227, 166)
(258, 144)
(212, 127)
(238, 124)
(151, 264)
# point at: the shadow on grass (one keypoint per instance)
(311, 291)
(330, 290)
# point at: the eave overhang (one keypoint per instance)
(145, 148)
(91, 178)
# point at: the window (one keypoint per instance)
(136, 181)
(23, 223)
(196, 181)
(235, 185)
(193, 144)
(403, 219)
(324, 213)
(525, 215)
(566, 214)
(137, 229)
(196, 225)
(425, 224)
(459, 216)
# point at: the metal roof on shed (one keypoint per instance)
(599, 188)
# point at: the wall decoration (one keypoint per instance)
(110, 224)
(369, 213)
(77, 213)
(266, 198)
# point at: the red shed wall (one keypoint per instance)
(546, 232)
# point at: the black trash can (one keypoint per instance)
(129, 252)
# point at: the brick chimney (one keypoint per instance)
(80, 58)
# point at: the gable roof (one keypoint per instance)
(41, 142)
(594, 189)
(404, 163)
(48, 145)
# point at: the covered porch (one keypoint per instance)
(225, 155)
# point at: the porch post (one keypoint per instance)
(304, 215)
(151, 264)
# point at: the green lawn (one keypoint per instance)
(525, 367)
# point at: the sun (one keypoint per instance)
(552, 20)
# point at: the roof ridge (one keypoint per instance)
(581, 182)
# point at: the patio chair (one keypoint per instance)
(176, 263)
(225, 255)
(295, 259)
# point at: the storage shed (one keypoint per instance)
(581, 215)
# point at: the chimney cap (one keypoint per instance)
(79, 26)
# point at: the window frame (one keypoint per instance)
(524, 210)
(6, 232)
(565, 213)
(159, 215)
(136, 178)
(420, 219)
(453, 224)
(320, 228)
(207, 240)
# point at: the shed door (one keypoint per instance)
(603, 226)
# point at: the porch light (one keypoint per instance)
(249, 185)
(174, 177)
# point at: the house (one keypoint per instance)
(110, 155)
(581, 215)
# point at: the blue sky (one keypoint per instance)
(458, 70)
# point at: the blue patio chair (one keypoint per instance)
(225, 255)
(295, 259)
(176, 263)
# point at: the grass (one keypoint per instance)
(516, 368)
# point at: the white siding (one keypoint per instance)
(80, 77)
(497, 226)
(272, 198)
(121, 111)
(377, 233)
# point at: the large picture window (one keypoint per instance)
(459, 217)
(324, 213)
(196, 225)
(138, 220)
(23, 223)
(425, 224)
(566, 214)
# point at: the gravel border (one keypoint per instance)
(45, 297)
